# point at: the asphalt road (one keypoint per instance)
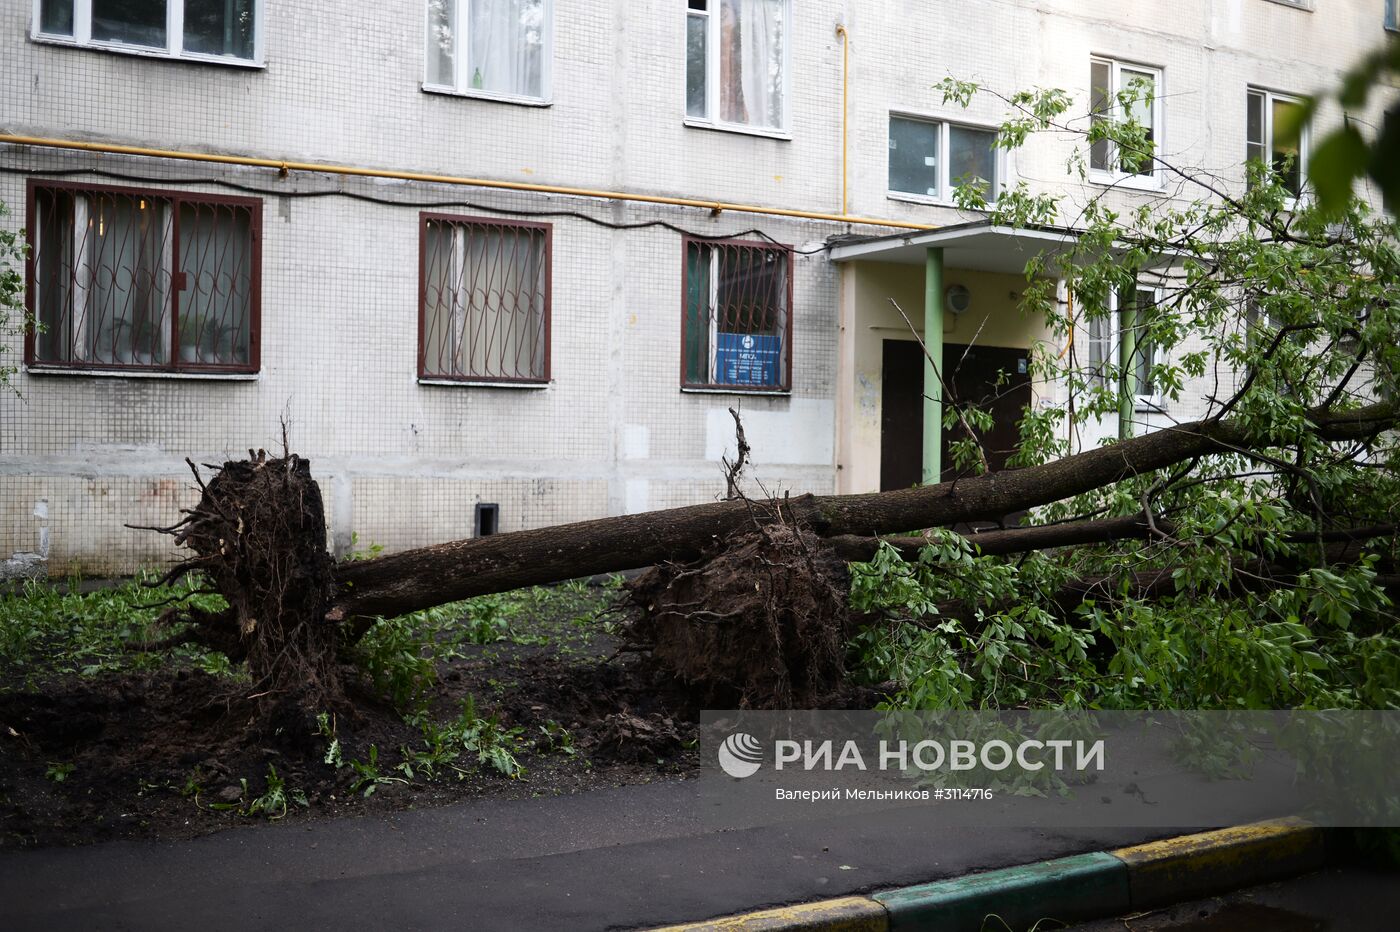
(618, 858)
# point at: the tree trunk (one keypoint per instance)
(429, 576)
(1002, 541)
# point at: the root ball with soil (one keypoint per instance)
(761, 623)
(259, 538)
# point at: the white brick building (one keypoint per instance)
(549, 340)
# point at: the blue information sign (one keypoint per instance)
(747, 359)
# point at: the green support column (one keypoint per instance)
(933, 389)
(1127, 382)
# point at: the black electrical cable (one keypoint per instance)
(389, 202)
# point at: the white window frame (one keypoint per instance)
(174, 35)
(1141, 402)
(1304, 136)
(944, 197)
(1115, 176)
(462, 84)
(712, 52)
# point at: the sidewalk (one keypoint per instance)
(618, 858)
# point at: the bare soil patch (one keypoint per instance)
(156, 754)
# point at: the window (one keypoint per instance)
(143, 280)
(1102, 338)
(208, 30)
(736, 63)
(1111, 84)
(737, 327)
(919, 167)
(1392, 15)
(1273, 135)
(490, 48)
(484, 309)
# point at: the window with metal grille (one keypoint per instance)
(484, 300)
(122, 278)
(737, 326)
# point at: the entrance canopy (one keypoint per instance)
(979, 244)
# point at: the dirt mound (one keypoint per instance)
(761, 623)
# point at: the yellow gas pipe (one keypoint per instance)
(285, 167)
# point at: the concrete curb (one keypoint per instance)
(1086, 886)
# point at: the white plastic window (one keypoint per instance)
(737, 62)
(490, 48)
(203, 30)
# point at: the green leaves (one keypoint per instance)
(959, 631)
(52, 630)
(1337, 162)
(14, 317)
(1344, 155)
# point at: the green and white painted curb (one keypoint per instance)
(1073, 889)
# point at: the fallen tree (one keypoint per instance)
(258, 536)
(420, 578)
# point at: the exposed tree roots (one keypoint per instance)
(259, 538)
(760, 623)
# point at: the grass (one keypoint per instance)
(401, 655)
(51, 631)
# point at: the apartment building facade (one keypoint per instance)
(498, 264)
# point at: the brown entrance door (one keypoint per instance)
(972, 376)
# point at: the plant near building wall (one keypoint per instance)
(14, 317)
(1267, 568)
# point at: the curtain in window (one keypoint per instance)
(507, 46)
(442, 42)
(56, 17)
(504, 326)
(484, 305)
(697, 27)
(1099, 349)
(104, 279)
(751, 62)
